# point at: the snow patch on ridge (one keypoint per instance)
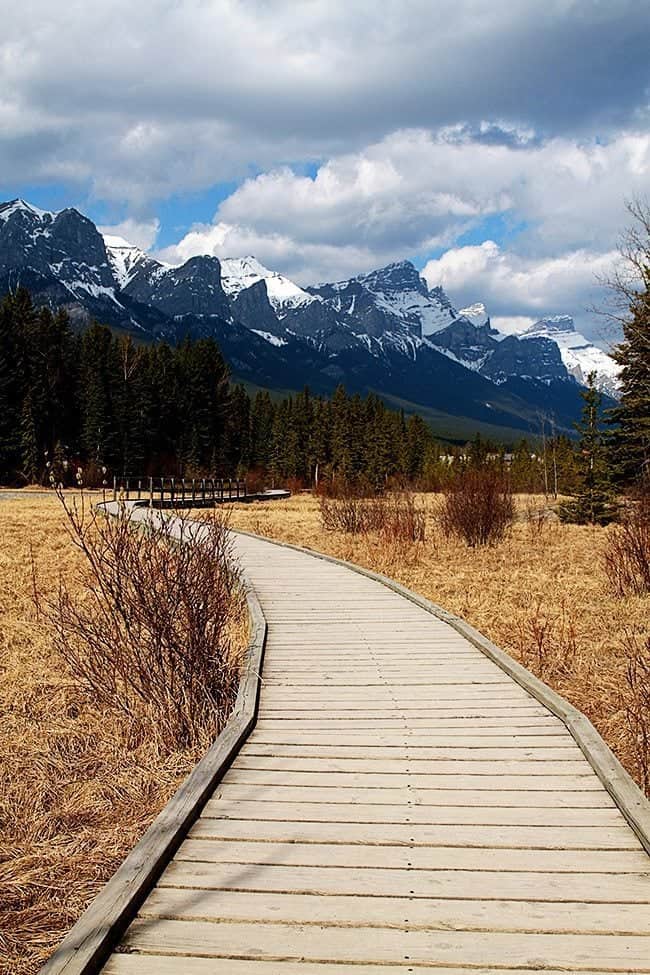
(13, 206)
(123, 258)
(239, 273)
(579, 355)
(476, 314)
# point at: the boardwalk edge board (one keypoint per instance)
(622, 788)
(90, 941)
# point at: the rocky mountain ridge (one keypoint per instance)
(385, 330)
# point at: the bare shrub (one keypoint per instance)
(637, 704)
(345, 487)
(478, 505)
(401, 518)
(396, 516)
(537, 519)
(344, 514)
(547, 642)
(149, 637)
(627, 556)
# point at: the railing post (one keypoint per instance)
(183, 492)
(203, 490)
(151, 492)
(162, 492)
(193, 490)
(139, 488)
(114, 488)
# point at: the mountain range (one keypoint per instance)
(385, 331)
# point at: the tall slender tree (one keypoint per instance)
(594, 501)
(630, 289)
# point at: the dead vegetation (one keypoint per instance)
(478, 506)
(149, 638)
(542, 594)
(80, 778)
(396, 516)
(627, 556)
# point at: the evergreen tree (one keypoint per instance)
(10, 397)
(99, 380)
(262, 417)
(594, 501)
(30, 455)
(631, 436)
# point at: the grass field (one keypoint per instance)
(76, 792)
(542, 595)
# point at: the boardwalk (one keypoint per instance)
(402, 804)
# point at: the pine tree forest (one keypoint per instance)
(84, 407)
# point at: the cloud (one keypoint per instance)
(304, 262)
(135, 101)
(416, 190)
(142, 234)
(420, 124)
(518, 290)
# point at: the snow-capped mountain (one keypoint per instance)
(61, 251)
(580, 356)
(394, 298)
(125, 259)
(239, 273)
(476, 314)
(385, 330)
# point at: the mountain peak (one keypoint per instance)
(238, 273)
(476, 314)
(394, 277)
(124, 258)
(19, 205)
(552, 325)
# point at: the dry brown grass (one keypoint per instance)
(542, 595)
(76, 792)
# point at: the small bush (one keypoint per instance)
(627, 556)
(150, 637)
(547, 642)
(637, 703)
(344, 488)
(401, 518)
(478, 505)
(396, 516)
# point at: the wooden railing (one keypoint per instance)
(181, 491)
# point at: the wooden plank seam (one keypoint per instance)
(620, 785)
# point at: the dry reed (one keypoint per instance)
(77, 787)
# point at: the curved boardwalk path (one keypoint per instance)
(402, 804)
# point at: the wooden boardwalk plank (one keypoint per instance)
(401, 805)
(628, 953)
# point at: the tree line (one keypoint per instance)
(103, 405)
(87, 406)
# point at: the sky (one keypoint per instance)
(492, 142)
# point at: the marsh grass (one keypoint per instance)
(79, 781)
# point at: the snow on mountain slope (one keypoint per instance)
(238, 273)
(476, 314)
(578, 354)
(15, 206)
(394, 298)
(400, 290)
(124, 258)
